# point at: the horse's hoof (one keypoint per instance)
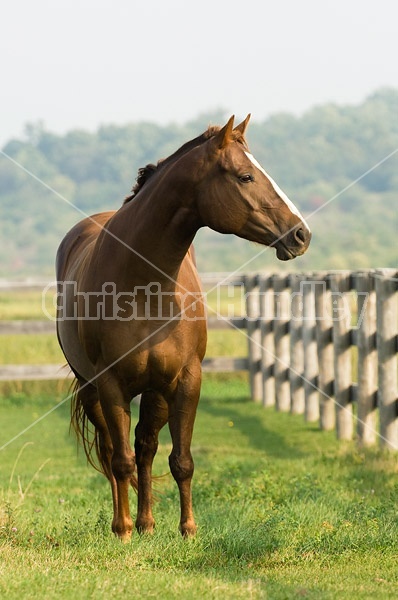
(145, 531)
(188, 529)
(124, 535)
(145, 528)
(125, 538)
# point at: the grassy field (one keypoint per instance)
(26, 304)
(284, 511)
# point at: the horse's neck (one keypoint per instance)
(157, 231)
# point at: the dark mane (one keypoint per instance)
(145, 173)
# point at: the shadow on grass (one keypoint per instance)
(246, 417)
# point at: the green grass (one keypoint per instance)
(284, 511)
(30, 349)
(26, 304)
(225, 300)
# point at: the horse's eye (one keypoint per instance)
(246, 178)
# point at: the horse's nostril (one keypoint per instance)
(300, 236)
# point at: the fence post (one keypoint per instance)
(387, 335)
(310, 353)
(324, 338)
(367, 357)
(253, 337)
(267, 340)
(341, 315)
(282, 346)
(296, 373)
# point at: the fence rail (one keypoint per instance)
(304, 332)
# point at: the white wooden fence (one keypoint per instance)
(303, 344)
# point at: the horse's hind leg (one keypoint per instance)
(88, 400)
(182, 412)
(153, 416)
(115, 406)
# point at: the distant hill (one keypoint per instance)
(339, 164)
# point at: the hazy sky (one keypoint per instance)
(81, 63)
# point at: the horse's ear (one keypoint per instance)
(242, 126)
(224, 136)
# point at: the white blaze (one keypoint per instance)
(278, 190)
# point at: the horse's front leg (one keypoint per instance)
(153, 416)
(182, 412)
(116, 410)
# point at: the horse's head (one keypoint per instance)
(237, 196)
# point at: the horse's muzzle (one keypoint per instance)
(294, 243)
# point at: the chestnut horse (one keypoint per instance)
(131, 320)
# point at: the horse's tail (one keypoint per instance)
(88, 435)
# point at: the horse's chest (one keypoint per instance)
(156, 369)
(151, 353)
(165, 362)
(155, 365)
